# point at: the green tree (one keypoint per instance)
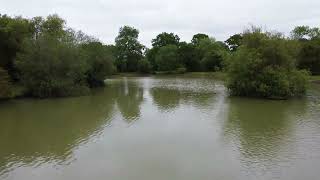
(264, 66)
(234, 42)
(300, 32)
(12, 33)
(188, 56)
(144, 66)
(309, 40)
(151, 57)
(167, 58)
(128, 49)
(211, 54)
(50, 67)
(197, 38)
(165, 39)
(309, 56)
(100, 60)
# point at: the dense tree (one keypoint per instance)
(309, 40)
(165, 39)
(145, 66)
(128, 49)
(12, 33)
(188, 56)
(264, 66)
(197, 38)
(50, 68)
(234, 42)
(100, 60)
(161, 40)
(211, 54)
(151, 57)
(167, 58)
(309, 56)
(305, 33)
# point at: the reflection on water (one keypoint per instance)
(128, 97)
(160, 128)
(35, 131)
(262, 128)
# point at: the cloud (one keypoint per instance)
(220, 19)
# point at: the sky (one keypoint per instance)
(217, 18)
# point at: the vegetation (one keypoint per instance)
(50, 60)
(45, 58)
(309, 56)
(5, 89)
(128, 49)
(264, 66)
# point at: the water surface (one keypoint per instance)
(160, 128)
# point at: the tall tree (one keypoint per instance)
(165, 39)
(167, 58)
(13, 31)
(128, 49)
(188, 56)
(197, 38)
(234, 42)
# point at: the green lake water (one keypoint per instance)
(161, 128)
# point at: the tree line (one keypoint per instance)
(42, 57)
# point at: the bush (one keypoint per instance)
(264, 66)
(51, 68)
(100, 61)
(5, 89)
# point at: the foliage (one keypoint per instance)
(264, 66)
(234, 42)
(167, 58)
(309, 56)
(12, 32)
(211, 54)
(128, 49)
(151, 57)
(188, 56)
(212, 61)
(100, 60)
(52, 68)
(5, 87)
(165, 39)
(305, 33)
(144, 66)
(197, 38)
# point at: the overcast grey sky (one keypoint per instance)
(218, 18)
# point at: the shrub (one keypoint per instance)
(51, 68)
(264, 66)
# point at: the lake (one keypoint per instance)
(161, 128)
